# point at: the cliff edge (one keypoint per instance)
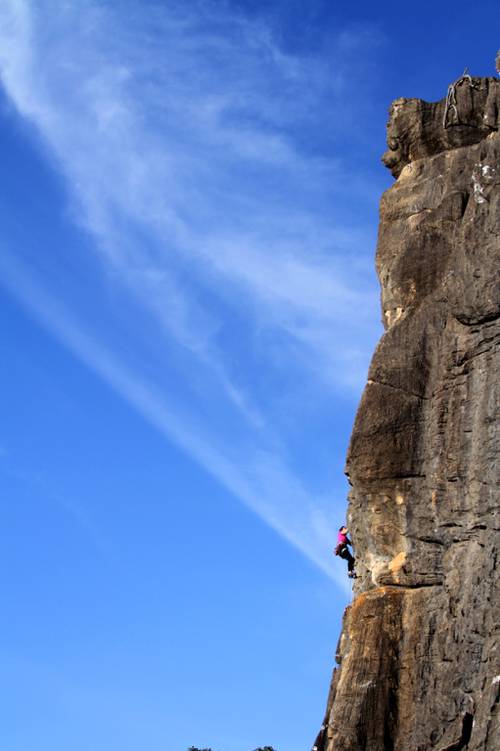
(419, 663)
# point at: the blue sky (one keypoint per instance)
(189, 305)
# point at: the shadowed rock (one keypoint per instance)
(419, 664)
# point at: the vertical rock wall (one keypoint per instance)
(419, 662)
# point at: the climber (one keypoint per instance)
(343, 551)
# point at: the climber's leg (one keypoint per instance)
(350, 562)
(346, 555)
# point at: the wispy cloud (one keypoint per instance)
(187, 139)
(259, 480)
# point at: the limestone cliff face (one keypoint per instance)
(419, 657)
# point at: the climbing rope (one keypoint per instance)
(451, 97)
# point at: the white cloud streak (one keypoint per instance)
(260, 482)
(179, 132)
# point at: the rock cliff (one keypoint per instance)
(419, 663)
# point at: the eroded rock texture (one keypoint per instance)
(419, 663)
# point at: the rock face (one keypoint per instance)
(419, 658)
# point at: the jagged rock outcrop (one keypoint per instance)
(419, 662)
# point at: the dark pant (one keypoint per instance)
(344, 553)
